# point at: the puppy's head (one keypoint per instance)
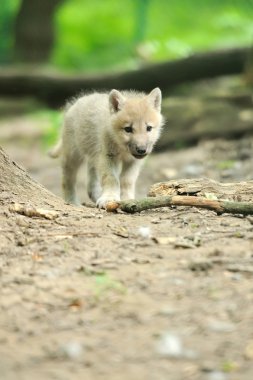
(136, 120)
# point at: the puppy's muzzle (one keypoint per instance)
(140, 152)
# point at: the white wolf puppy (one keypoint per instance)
(112, 132)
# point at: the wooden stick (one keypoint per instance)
(219, 206)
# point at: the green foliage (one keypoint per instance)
(93, 34)
(116, 34)
(226, 165)
(113, 34)
(7, 16)
(187, 25)
(104, 285)
(51, 122)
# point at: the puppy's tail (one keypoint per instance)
(56, 150)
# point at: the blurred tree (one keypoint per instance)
(7, 16)
(55, 89)
(141, 20)
(34, 31)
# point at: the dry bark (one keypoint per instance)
(204, 187)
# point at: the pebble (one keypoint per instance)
(167, 311)
(170, 345)
(72, 350)
(216, 375)
(145, 232)
(221, 326)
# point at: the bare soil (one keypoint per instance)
(164, 294)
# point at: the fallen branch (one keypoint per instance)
(219, 206)
(54, 89)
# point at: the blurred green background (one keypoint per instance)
(112, 34)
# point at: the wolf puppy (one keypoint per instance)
(113, 133)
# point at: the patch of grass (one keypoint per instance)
(51, 121)
(239, 235)
(194, 226)
(229, 366)
(225, 165)
(105, 284)
(211, 196)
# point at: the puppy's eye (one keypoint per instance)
(149, 128)
(128, 129)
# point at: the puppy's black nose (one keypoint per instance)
(141, 151)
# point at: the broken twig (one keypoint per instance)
(219, 206)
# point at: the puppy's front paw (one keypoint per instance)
(104, 199)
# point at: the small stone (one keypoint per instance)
(170, 345)
(167, 311)
(221, 326)
(72, 350)
(216, 375)
(236, 277)
(145, 232)
(200, 265)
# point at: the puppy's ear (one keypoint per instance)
(155, 98)
(116, 101)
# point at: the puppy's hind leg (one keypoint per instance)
(94, 187)
(70, 165)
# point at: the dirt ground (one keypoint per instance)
(93, 295)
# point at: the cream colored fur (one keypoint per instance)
(94, 131)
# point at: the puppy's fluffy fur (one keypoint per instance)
(113, 132)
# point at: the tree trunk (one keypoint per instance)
(34, 33)
(55, 89)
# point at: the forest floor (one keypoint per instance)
(93, 295)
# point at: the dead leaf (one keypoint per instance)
(76, 304)
(62, 237)
(240, 268)
(37, 257)
(164, 240)
(121, 231)
(33, 212)
(177, 242)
